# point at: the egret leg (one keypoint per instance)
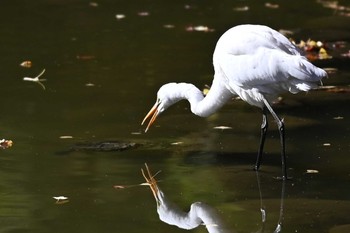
(280, 125)
(264, 127)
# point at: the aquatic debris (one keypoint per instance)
(143, 13)
(66, 137)
(335, 89)
(128, 186)
(176, 143)
(93, 4)
(169, 26)
(104, 146)
(330, 70)
(241, 8)
(319, 50)
(188, 7)
(119, 16)
(312, 171)
(4, 144)
(26, 64)
(334, 5)
(36, 79)
(314, 49)
(61, 199)
(222, 127)
(322, 54)
(85, 57)
(136, 133)
(347, 55)
(199, 28)
(271, 5)
(89, 84)
(326, 144)
(338, 118)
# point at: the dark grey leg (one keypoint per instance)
(264, 127)
(280, 125)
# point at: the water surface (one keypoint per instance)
(102, 76)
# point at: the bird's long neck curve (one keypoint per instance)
(202, 106)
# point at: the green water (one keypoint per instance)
(102, 76)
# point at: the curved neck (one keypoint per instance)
(202, 106)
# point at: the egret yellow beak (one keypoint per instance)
(153, 113)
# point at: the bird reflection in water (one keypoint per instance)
(200, 213)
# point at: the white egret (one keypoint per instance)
(255, 63)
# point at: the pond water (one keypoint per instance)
(104, 62)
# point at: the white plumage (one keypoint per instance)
(254, 62)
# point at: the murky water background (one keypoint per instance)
(104, 62)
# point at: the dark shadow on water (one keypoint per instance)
(229, 159)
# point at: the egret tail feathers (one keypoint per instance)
(304, 70)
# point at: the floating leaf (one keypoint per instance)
(119, 16)
(85, 57)
(312, 171)
(222, 127)
(241, 8)
(36, 79)
(26, 64)
(199, 28)
(322, 54)
(61, 199)
(330, 70)
(176, 143)
(93, 4)
(136, 133)
(143, 13)
(4, 144)
(271, 5)
(168, 26)
(66, 137)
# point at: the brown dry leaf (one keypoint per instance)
(26, 64)
(5, 144)
(322, 54)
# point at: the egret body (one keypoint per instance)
(255, 63)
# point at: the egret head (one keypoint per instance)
(167, 95)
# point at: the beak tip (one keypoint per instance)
(152, 114)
